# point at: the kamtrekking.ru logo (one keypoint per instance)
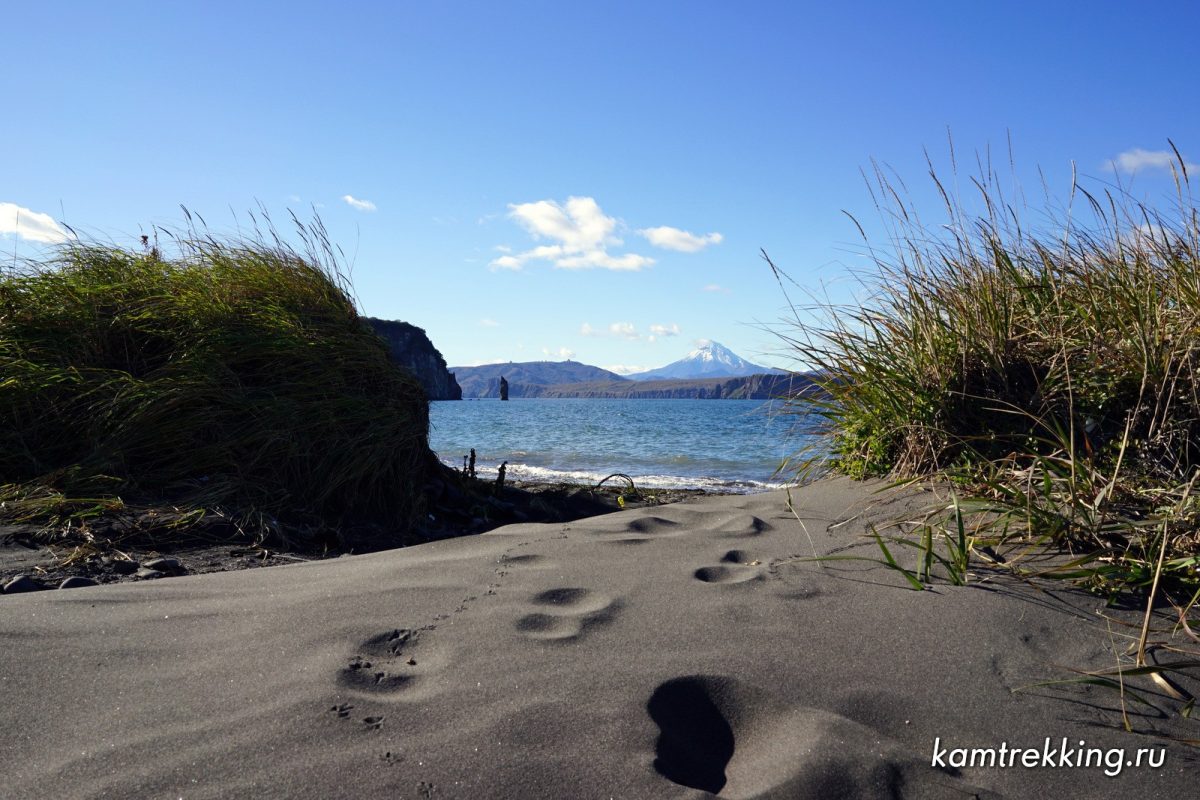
(1053, 755)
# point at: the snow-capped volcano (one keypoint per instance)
(709, 360)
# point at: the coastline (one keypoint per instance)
(84, 558)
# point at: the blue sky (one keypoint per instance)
(533, 180)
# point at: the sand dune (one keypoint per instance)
(667, 652)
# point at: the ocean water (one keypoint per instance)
(727, 445)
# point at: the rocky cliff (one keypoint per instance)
(410, 348)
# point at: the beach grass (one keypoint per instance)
(1045, 383)
(231, 379)
(1049, 375)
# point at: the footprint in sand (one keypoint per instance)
(742, 525)
(565, 614)
(396, 664)
(639, 530)
(737, 566)
(723, 736)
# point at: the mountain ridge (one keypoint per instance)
(708, 360)
(484, 380)
(745, 387)
(709, 371)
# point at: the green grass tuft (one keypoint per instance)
(1055, 376)
(234, 378)
(1050, 380)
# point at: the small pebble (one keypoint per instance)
(22, 583)
(147, 573)
(76, 581)
(164, 565)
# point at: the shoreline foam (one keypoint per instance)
(533, 474)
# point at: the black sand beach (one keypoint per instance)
(674, 651)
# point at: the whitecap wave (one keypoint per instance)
(536, 474)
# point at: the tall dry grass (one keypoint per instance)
(1049, 376)
(1051, 373)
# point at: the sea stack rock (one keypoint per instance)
(410, 348)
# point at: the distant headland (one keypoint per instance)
(711, 371)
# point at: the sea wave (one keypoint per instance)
(536, 474)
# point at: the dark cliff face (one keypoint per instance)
(410, 348)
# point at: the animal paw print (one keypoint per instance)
(390, 663)
(371, 723)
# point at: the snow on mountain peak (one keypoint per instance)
(709, 359)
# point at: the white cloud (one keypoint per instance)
(488, 322)
(625, 369)
(1154, 235)
(629, 331)
(630, 262)
(579, 233)
(358, 205)
(504, 262)
(580, 225)
(1153, 232)
(625, 330)
(663, 330)
(713, 287)
(561, 352)
(30, 225)
(669, 238)
(1139, 159)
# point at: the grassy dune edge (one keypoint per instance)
(233, 382)
(1046, 379)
